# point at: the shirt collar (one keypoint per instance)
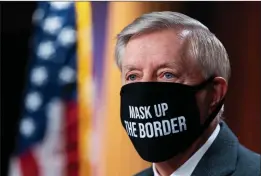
(188, 167)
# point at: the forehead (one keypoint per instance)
(160, 46)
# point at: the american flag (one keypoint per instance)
(47, 139)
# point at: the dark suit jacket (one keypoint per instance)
(225, 157)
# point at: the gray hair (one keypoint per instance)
(200, 43)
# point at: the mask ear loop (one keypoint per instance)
(212, 116)
(204, 84)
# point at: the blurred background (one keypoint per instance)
(60, 86)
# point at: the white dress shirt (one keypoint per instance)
(188, 167)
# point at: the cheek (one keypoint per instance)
(203, 104)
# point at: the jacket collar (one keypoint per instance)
(221, 157)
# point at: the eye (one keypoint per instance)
(168, 75)
(132, 77)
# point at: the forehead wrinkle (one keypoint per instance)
(172, 64)
(130, 67)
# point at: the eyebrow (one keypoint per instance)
(163, 65)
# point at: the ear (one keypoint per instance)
(219, 88)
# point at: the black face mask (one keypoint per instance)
(162, 119)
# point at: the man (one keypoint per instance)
(175, 75)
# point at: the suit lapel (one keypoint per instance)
(221, 157)
(146, 172)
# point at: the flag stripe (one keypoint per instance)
(28, 164)
(71, 126)
(85, 84)
(99, 18)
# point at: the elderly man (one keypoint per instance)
(175, 75)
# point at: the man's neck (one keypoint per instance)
(166, 168)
